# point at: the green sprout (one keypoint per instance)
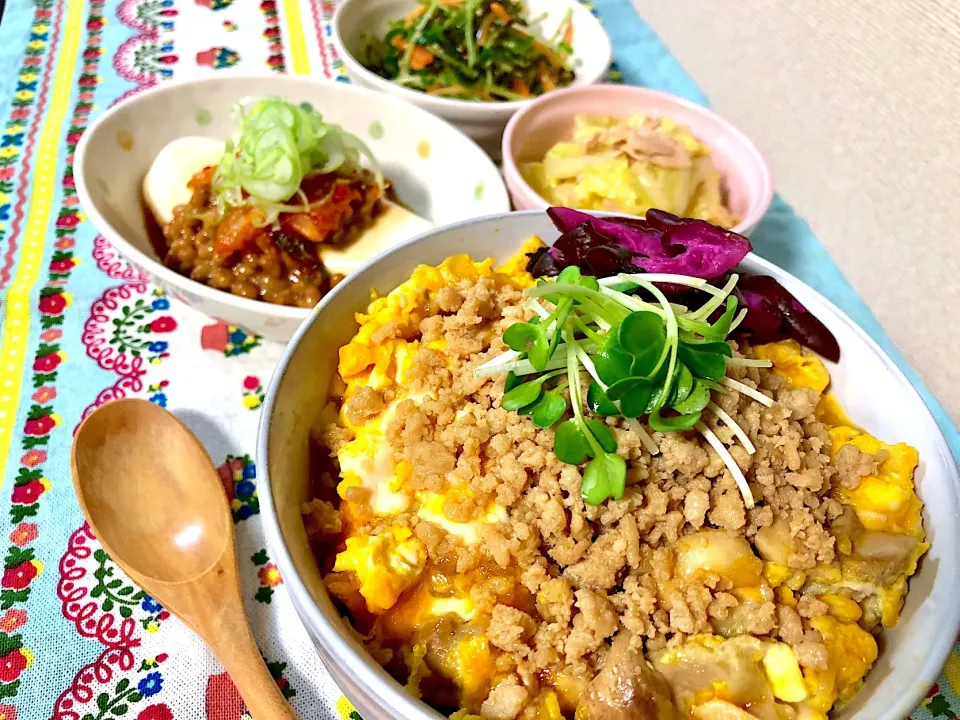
(642, 357)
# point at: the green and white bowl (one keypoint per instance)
(483, 121)
(436, 170)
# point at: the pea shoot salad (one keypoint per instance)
(480, 50)
(654, 359)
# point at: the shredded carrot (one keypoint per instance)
(415, 13)
(549, 54)
(419, 58)
(497, 9)
(568, 33)
(485, 30)
(519, 86)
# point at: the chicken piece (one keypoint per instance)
(626, 688)
(883, 557)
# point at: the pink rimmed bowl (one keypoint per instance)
(549, 120)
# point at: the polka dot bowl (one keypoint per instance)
(436, 170)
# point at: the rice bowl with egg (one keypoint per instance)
(913, 652)
(485, 575)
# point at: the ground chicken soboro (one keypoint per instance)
(479, 578)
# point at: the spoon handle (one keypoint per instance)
(232, 641)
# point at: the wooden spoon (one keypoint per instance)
(153, 498)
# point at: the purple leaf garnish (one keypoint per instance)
(662, 243)
(774, 314)
(665, 243)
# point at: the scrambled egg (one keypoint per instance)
(879, 544)
(880, 550)
(802, 368)
(392, 561)
(386, 564)
(733, 669)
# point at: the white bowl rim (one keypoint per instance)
(439, 104)
(408, 706)
(175, 279)
(758, 208)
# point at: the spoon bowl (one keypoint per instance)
(187, 526)
(152, 497)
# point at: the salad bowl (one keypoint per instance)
(866, 382)
(436, 171)
(356, 20)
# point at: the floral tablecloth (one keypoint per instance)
(78, 327)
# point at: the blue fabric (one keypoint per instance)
(782, 237)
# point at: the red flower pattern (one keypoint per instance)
(163, 324)
(38, 427)
(62, 266)
(53, 304)
(47, 363)
(28, 493)
(12, 664)
(155, 712)
(19, 576)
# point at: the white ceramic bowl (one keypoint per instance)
(484, 122)
(437, 171)
(869, 385)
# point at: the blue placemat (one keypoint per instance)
(782, 237)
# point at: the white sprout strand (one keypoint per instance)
(631, 302)
(588, 364)
(732, 424)
(589, 316)
(500, 366)
(716, 301)
(648, 442)
(538, 308)
(729, 462)
(685, 280)
(748, 391)
(523, 367)
(738, 319)
(748, 362)
(501, 359)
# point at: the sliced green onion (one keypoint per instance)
(276, 146)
